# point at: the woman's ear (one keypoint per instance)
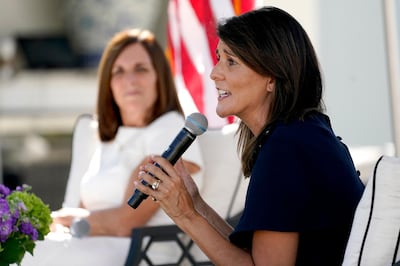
(270, 84)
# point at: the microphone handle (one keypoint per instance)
(175, 150)
(178, 146)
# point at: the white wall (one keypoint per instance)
(350, 42)
(392, 21)
(30, 16)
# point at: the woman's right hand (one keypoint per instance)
(177, 193)
(191, 186)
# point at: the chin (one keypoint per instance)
(222, 113)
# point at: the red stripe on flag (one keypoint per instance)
(198, 7)
(192, 78)
(208, 20)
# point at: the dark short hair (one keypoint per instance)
(272, 43)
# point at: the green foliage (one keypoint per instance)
(24, 219)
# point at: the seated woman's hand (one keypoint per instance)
(65, 216)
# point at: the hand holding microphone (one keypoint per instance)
(195, 125)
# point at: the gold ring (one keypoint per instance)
(156, 184)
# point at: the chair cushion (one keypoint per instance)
(374, 238)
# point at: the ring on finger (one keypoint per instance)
(156, 184)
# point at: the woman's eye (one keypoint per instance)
(141, 69)
(231, 62)
(116, 71)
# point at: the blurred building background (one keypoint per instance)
(49, 51)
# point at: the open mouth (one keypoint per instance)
(222, 93)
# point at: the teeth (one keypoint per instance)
(222, 92)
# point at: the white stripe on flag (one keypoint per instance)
(196, 44)
(222, 8)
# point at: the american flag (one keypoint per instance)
(191, 44)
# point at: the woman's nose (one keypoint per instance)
(214, 75)
(131, 76)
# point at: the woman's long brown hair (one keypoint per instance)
(108, 113)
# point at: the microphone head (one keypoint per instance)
(196, 123)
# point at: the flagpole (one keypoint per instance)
(392, 46)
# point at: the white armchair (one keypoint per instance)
(84, 140)
(375, 234)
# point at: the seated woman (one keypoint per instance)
(138, 113)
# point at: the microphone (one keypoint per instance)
(195, 125)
